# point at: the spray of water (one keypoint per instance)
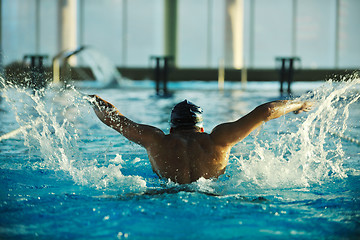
(104, 70)
(48, 121)
(305, 155)
(311, 153)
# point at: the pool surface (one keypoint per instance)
(68, 176)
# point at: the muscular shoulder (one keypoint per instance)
(188, 138)
(194, 143)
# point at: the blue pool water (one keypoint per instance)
(68, 176)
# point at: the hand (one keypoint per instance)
(95, 100)
(99, 103)
(90, 98)
(305, 107)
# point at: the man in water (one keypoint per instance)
(187, 153)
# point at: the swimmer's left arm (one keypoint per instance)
(139, 133)
(228, 134)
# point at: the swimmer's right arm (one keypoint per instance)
(138, 133)
(228, 134)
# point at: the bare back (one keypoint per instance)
(186, 156)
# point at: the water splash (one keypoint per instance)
(104, 70)
(49, 121)
(311, 153)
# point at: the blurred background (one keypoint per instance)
(200, 35)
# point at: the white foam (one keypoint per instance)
(57, 138)
(308, 155)
(298, 157)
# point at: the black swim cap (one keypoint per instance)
(186, 114)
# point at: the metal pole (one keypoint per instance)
(291, 74)
(81, 22)
(157, 75)
(337, 33)
(67, 25)
(209, 32)
(124, 31)
(228, 51)
(294, 29)
(170, 25)
(252, 33)
(282, 75)
(37, 26)
(221, 75)
(165, 75)
(242, 56)
(234, 21)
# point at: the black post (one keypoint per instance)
(291, 74)
(282, 75)
(165, 75)
(286, 71)
(157, 75)
(37, 76)
(161, 74)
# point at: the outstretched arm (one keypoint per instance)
(228, 134)
(138, 133)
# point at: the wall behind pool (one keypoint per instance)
(204, 74)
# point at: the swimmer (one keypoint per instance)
(187, 153)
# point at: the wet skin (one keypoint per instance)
(185, 155)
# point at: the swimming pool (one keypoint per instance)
(68, 176)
